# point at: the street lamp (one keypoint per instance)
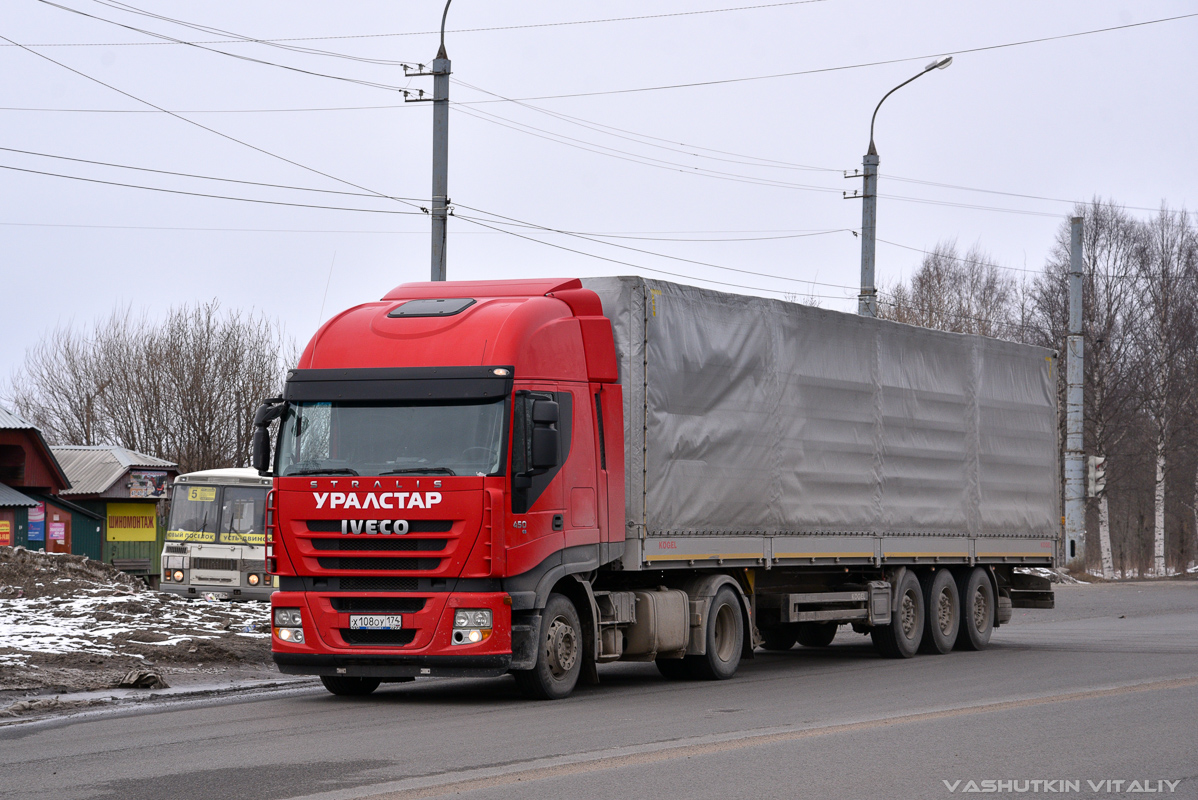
(867, 301)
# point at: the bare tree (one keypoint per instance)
(1166, 282)
(964, 294)
(184, 389)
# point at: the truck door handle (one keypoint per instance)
(558, 522)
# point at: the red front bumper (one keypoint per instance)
(423, 645)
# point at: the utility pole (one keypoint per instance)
(1075, 497)
(440, 196)
(867, 301)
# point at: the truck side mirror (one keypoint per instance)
(268, 412)
(546, 442)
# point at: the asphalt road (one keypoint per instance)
(1104, 688)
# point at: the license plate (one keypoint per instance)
(212, 597)
(375, 622)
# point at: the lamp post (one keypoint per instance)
(867, 301)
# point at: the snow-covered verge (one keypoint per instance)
(1054, 575)
(68, 624)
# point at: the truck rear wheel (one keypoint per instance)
(349, 687)
(725, 637)
(901, 638)
(977, 610)
(780, 637)
(942, 606)
(816, 634)
(559, 653)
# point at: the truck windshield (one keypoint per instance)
(392, 439)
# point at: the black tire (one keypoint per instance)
(780, 637)
(673, 669)
(942, 612)
(977, 610)
(559, 653)
(725, 638)
(346, 686)
(817, 634)
(901, 638)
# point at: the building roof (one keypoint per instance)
(11, 421)
(11, 497)
(94, 469)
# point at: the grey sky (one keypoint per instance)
(1109, 114)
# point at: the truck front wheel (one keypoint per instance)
(725, 638)
(559, 653)
(901, 638)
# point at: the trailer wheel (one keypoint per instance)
(349, 687)
(779, 637)
(725, 637)
(817, 634)
(559, 654)
(942, 607)
(900, 639)
(977, 610)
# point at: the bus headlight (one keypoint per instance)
(178, 575)
(252, 579)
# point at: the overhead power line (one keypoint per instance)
(311, 73)
(720, 81)
(203, 194)
(644, 268)
(202, 177)
(605, 20)
(204, 127)
(530, 225)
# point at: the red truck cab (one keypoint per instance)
(445, 457)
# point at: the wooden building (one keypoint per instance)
(29, 475)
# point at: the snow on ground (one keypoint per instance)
(70, 624)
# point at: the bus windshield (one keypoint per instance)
(225, 514)
(392, 439)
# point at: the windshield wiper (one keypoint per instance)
(425, 470)
(319, 471)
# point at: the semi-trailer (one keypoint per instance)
(539, 476)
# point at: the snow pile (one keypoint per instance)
(67, 622)
(1054, 575)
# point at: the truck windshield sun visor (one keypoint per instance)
(432, 308)
(407, 384)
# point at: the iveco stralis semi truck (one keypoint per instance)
(539, 476)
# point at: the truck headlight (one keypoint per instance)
(471, 625)
(288, 618)
(295, 635)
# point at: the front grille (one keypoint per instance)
(375, 543)
(406, 605)
(175, 548)
(414, 525)
(379, 563)
(214, 563)
(366, 583)
(394, 638)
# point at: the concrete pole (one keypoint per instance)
(440, 161)
(1075, 494)
(867, 301)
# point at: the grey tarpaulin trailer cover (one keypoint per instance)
(760, 432)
